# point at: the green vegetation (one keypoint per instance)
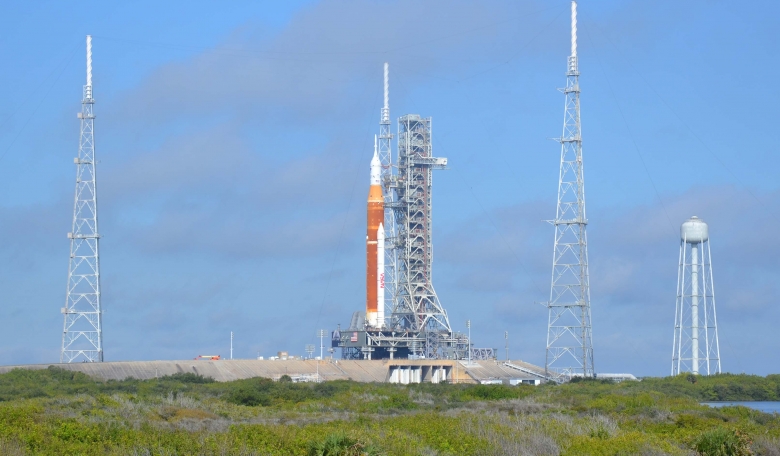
(340, 445)
(723, 442)
(59, 412)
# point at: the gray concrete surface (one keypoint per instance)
(227, 370)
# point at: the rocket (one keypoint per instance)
(375, 248)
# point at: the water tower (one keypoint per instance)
(696, 348)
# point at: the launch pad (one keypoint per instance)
(360, 342)
(313, 370)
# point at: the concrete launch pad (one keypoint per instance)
(380, 371)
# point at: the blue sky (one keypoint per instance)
(233, 147)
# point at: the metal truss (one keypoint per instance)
(350, 353)
(569, 339)
(386, 160)
(82, 335)
(416, 306)
(695, 312)
(482, 354)
(436, 344)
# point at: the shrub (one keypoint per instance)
(494, 392)
(247, 396)
(188, 377)
(340, 445)
(723, 442)
(330, 389)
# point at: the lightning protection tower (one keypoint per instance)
(695, 348)
(569, 340)
(386, 161)
(82, 334)
(417, 308)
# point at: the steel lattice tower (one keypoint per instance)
(569, 338)
(386, 160)
(82, 334)
(417, 308)
(695, 308)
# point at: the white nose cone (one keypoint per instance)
(376, 167)
(694, 231)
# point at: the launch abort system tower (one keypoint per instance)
(82, 334)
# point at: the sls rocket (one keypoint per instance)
(375, 248)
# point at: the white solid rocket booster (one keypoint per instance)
(380, 276)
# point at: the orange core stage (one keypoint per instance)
(376, 215)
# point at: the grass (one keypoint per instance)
(54, 411)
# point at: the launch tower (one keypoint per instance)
(694, 319)
(569, 340)
(416, 306)
(82, 334)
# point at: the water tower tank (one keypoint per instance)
(694, 231)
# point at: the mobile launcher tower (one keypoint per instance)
(399, 252)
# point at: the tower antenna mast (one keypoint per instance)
(386, 160)
(82, 334)
(569, 338)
